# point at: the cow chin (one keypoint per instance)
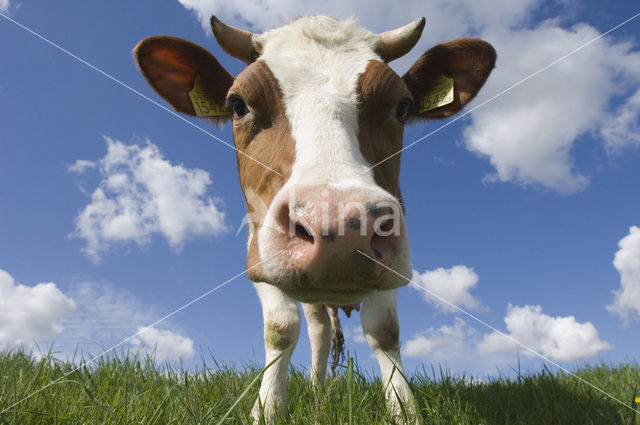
(325, 296)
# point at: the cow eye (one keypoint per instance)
(402, 110)
(239, 107)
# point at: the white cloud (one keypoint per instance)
(445, 20)
(90, 317)
(82, 165)
(442, 344)
(558, 338)
(163, 344)
(106, 316)
(627, 261)
(259, 16)
(453, 285)
(356, 334)
(29, 315)
(454, 348)
(377, 15)
(622, 128)
(528, 134)
(141, 193)
(4, 5)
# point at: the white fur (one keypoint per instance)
(317, 61)
(319, 331)
(277, 307)
(378, 309)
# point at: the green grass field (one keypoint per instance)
(131, 390)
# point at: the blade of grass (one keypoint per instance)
(35, 380)
(246, 390)
(634, 403)
(350, 388)
(156, 413)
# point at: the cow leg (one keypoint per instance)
(382, 332)
(319, 330)
(281, 329)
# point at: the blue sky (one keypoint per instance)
(516, 211)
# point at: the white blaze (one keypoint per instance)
(317, 61)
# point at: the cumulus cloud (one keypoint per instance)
(81, 166)
(445, 20)
(163, 344)
(29, 315)
(453, 285)
(528, 134)
(260, 16)
(454, 347)
(622, 128)
(558, 338)
(89, 317)
(142, 193)
(376, 15)
(443, 343)
(355, 334)
(107, 315)
(626, 302)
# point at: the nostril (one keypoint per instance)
(374, 210)
(383, 240)
(354, 223)
(290, 219)
(385, 228)
(301, 232)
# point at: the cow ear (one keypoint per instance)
(448, 76)
(185, 75)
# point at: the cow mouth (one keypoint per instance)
(346, 280)
(327, 296)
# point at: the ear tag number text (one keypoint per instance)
(204, 106)
(441, 94)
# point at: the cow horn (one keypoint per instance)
(397, 43)
(236, 42)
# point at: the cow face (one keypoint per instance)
(318, 120)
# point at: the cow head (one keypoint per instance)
(318, 119)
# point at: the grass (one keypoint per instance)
(128, 389)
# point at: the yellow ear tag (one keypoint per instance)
(204, 106)
(441, 94)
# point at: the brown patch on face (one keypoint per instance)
(263, 133)
(380, 91)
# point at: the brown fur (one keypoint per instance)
(469, 61)
(264, 134)
(380, 132)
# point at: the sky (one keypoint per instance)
(524, 212)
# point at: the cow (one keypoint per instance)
(318, 119)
